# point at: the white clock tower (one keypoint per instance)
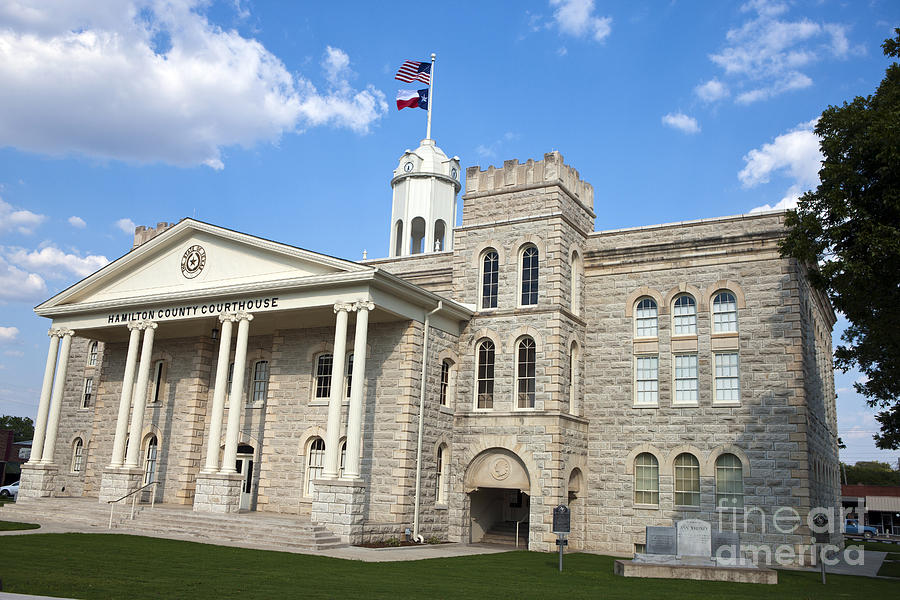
(425, 185)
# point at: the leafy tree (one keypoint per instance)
(848, 231)
(23, 427)
(872, 473)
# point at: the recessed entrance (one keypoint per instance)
(498, 486)
(244, 465)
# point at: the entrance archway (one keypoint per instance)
(498, 488)
(244, 466)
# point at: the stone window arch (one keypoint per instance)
(684, 315)
(646, 479)
(485, 361)
(526, 364)
(724, 312)
(93, 353)
(315, 464)
(529, 274)
(729, 481)
(646, 318)
(151, 457)
(687, 480)
(77, 455)
(490, 278)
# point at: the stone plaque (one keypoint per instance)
(694, 538)
(660, 540)
(561, 519)
(729, 542)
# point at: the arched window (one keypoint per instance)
(486, 374)
(574, 407)
(150, 460)
(684, 315)
(398, 239)
(315, 463)
(440, 493)
(87, 396)
(349, 374)
(646, 318)
(490, 278)
(93, 352)
(260, 381)
(529, 276)
(646, 479)
(439, 231)
(525, 373)
(324, 363)
(417, 236)
(343, 457)
(724, 311)
(575, 283)
(77, 455)
(729, 482)
(159, 381)
(687, 480)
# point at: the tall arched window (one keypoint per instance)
(525, 373)
(324, 363)
(684, 315)
(260, 381)
(729, 482)
(93, 352)
(398, 239)
(687, 480)
(575, 283)
(439, 232)
(724, 311)
(417, 236)
(574, 407)
(440, 493)
(646, 479)
(349, 374)
(646, 318)
(315, 463)
(343, 457)
(529, 276)
(150, 460)
(490, 278)
(77, 455)
(446, 367)
(486, 374)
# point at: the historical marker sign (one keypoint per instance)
(660, 540)
(562, 518)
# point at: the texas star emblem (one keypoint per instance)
(193, 261)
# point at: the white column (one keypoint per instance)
(333, 427)
(237, 392)
(40, 426)
(134, 338)
(354, 420)
(218, 408)
(59, 385)
(133, 453)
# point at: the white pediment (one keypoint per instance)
(229, 259)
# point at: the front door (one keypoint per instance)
(244, 466)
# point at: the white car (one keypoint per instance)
(10, 491)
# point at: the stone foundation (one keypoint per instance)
(339, 505)
(218, 492)
(118, 481)
(628, 568)
(38, 481)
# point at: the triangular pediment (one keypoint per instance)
(198, 258)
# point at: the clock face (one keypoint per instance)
(454, 173)
(193, 261)
(408, 167)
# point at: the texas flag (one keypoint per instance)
(412, 99)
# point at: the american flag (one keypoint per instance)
(414, 71)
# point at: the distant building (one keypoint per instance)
(875, 505)
(12, 455)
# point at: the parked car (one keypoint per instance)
(853, 527)
(10, 491)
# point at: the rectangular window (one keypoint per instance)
(88, 396)
(323, 376)
(686, 379)
(646, 380)
(727, 378)
(159, 376)
(445, 381)
(349, 374)
(261, 381)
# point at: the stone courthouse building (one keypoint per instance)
(479, 376)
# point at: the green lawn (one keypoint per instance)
(12, 526)
(121, 566)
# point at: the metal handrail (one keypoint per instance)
(517, 531)
(133, 493)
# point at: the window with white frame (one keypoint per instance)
(686, 379)
(260, 381)
(490, 279)
(646, 380)
(150, 460)
(445, 382)
(230, 379)
(529, 276)
(440, 494)
(77, 455)
(684, 315)
(525, 373)
(687, 480)
(315, 463)
(158, 383)
(485, 374)
(93, 353)
(729, 482)
(324, 364)
(646, 318)
(727, 379)
(646, 479)
(349, 375)
(87, 396)
(724, 311)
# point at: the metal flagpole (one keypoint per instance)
(430, 98)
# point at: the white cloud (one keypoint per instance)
(794, 154)
(155, 81)
(23, 221)
(126, 225)
(681, 122)
(490, 150)
(53, 262)
(577, 18)
(711, 91)
(16, 353)
(8, 334)
(16, 284)
(77, 222)
(767, 55)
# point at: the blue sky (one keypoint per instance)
(278, 119)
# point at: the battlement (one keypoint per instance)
(513, 176)
(144, 234)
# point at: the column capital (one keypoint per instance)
(343, 306)
(60, 332)
(243, 316)
(363, 305)
(142, 325)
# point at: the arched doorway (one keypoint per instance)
(498, 488)
(575, 500)
(244, 465)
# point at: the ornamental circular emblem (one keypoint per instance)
(193, 261)
(500, 469)
(454, 173)
(408, 167)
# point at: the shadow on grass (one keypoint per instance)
(13, 526)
